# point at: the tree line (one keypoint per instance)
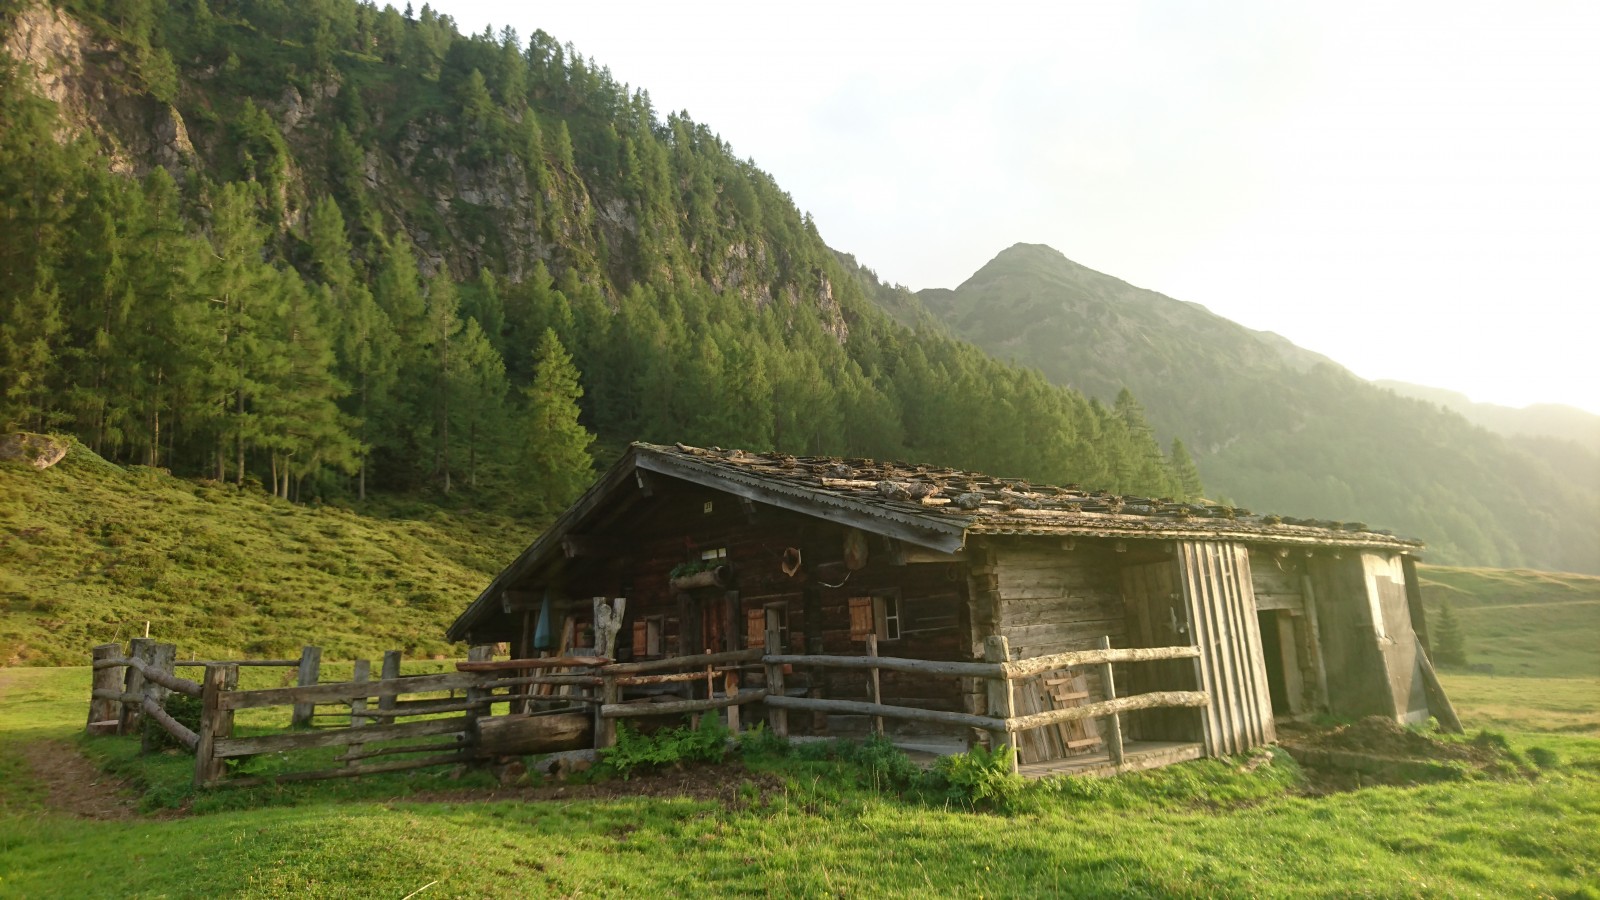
(270, 314)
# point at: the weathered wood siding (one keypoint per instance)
(1158, 617)
(1357, 674)
(1049, 599)
(1215, 581)
(1397, 640)
(1053, 600)
(1275, 580)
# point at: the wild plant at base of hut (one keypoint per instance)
(980, 777)
(760, 741)
(667, 747)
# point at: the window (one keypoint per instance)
(709, 555)
(647, 636)
(876, 614)
(761, 619)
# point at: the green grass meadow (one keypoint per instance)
(79, 563)
(1201, 829)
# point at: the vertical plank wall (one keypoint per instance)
(1215, 580)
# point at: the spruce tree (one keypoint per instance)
(1449, 644)
(480, 390)
(1185, 472)
(555, 455)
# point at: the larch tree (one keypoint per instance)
(557, 465)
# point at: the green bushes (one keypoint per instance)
(980, 777)
(669, 747)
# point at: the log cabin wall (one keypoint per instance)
(921, 607)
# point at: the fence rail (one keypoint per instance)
(131, 687)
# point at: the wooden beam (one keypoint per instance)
(336, 737)
(1034, 666)
(546, 662)
(216, 722)
(623, 710)
(177, 729)
(1114, 733)
(1109, 707)
(309, 673)
(108, 679)
(346, 691)
(371, 769)
(908, 713)
(891, 664)
(910, 555)
(925, 531)
(677, 662)
(1001, 696)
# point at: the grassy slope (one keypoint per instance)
(1538, 632)
(89, 552)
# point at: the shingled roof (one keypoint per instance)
(929, 506)
(946, 500)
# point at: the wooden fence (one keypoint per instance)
(577, 693)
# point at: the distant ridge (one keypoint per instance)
(1276, 427)
(1536, 420)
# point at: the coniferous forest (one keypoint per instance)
(338, 249)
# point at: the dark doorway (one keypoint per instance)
(1272, 651)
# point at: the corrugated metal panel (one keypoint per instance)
(1215, 578)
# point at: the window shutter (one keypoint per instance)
(861, 624)
(641, 637)
(755, 627)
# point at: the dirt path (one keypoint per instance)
(72, 784)
(76, 787)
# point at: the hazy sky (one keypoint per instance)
(1412, 189)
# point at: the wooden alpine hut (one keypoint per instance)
(1178, 630)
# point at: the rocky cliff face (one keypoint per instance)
(462, 208)
(89, 82)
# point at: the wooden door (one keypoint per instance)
(1158, 617)
(1215, 579)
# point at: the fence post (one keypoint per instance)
(161, 658)
(140, 649)
(777, 719)
(1114, 734)
(874, 687)
(605, 727)
(391, 671)
(108, 679)
(215, 722)
(1002, 703)
(730, 687)
(310, 670)
(475, 694)
(360, 670)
